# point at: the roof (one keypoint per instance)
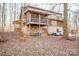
(39, 10)
(57, 20)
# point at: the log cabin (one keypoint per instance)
(38, 20)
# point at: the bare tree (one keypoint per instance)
(65, 20)
(3, 17)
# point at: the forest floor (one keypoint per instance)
(39, 46)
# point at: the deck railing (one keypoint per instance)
(43, 21)
(34, 20)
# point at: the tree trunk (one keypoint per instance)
(3, 17)
(65, 21)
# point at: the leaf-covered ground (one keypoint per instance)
(38, 46)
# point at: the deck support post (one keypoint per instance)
(29, 18)
(39, 23)
(47, 24)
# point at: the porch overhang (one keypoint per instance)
(39, 10)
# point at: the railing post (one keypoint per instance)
(47, 20)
